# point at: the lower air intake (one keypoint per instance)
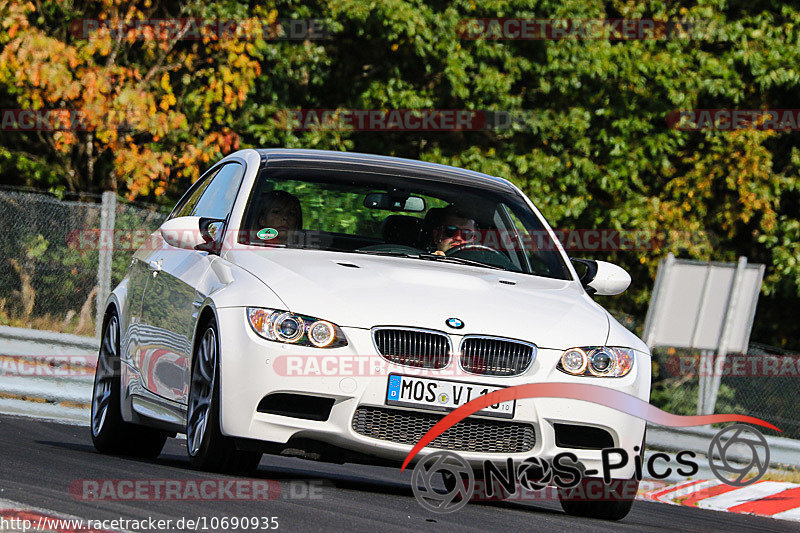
(470, 435)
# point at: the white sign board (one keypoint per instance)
(703, 305)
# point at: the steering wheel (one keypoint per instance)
(484, 254)
(469, 247)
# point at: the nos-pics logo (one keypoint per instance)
(738, 456)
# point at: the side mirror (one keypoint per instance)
(192, 233)
(601, 278)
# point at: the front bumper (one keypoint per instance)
(357, 376)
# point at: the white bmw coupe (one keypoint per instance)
(337, 305)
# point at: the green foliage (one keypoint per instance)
(592, 148)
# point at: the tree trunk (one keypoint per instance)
(85, 316)
(28, 293)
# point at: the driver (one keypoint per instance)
(280, 211)
(452, 228)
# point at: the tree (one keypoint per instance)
(140, 107)
(594, 148)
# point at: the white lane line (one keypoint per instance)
(791, 514)
(745, 494)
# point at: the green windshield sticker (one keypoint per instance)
(267, 233)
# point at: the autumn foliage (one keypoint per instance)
(156, 106)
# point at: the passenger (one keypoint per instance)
(280, 211)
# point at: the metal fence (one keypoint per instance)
(50, 252)
(763, 383)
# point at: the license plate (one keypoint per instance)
(441, 395)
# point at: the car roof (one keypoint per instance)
(328, 159)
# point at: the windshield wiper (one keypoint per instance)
(432, 257)
(459, 260)
(385, 252)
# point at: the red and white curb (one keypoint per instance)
(777, 499)
(17, 517)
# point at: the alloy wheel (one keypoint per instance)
(104, 375)
(201, 391)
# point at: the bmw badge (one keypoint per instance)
(455, 323)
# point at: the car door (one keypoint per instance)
(171, 300)
(137, 276)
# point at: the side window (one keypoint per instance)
(187, 205)
(216, 199)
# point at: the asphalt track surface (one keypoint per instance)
(39, 460)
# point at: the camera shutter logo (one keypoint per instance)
(535, 473)
(459, 489)
(744, 445)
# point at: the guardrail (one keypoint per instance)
(46, 374)
(783, 452)
(49, 337)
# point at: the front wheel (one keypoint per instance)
(110, 433)
(592, 498)
(208, 448)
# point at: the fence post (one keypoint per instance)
(722, 351)
(106, 249)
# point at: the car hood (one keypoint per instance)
(362, 291)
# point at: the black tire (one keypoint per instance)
(208, 448)
(110, 433)
(615, 508)
(615, 504)
(450, 481)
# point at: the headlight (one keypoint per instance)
(286, 327)
(601, 362)
(574, 361)
(321, 333)
(597, 361)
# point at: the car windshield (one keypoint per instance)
(381, 214)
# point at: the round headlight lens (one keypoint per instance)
(601, 362)
(321, 333)
(574, 361)
(288, 328)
